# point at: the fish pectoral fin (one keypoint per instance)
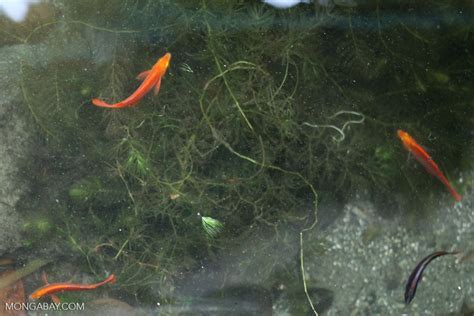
(142, 76)
(103, 104)
(156, 89)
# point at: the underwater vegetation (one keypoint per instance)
(263, 114)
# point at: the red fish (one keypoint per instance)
(151, 80)
(50, 289)
(422, 156)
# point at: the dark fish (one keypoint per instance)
(415, 276)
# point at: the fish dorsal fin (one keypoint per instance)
(44, 277)
(428, 150)
(156, 89)
(142, 76)
(54, 298)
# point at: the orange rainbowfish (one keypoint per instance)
(422, 156)
(50, 289)
(151, 80)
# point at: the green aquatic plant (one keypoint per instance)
(37, 230)
(94, 191)
(39, 227)
(212, 227)
(136, 162)
(263, 114)
(85, 189)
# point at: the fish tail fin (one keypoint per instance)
(111, 278)
(103, 104)
(451, 190)
(456, 195)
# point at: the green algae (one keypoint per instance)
(37, 230)
(212, 226)
(258, 119)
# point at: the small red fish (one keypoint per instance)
(50, 289)
(151, 80)
(422, 156)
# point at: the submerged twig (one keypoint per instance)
(303, 275)
(22, 272)
(121, 249)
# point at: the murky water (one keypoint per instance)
(255, 170)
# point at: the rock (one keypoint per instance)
(12, 294)
(13, 148)
(110, 307)
(15, 127)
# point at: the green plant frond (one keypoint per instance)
(211, 226)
